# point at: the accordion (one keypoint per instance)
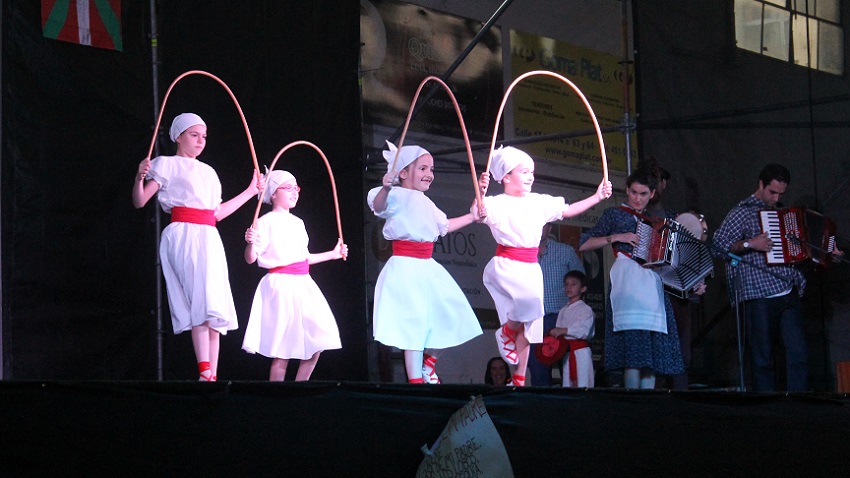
(680, 258)
(798, 234)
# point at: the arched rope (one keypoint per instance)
(330, 175)
(578, 92)
(232, 96)
(462, 128)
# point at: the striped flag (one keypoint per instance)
(95, 23)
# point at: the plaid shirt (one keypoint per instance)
(742, 223)
(558, 259)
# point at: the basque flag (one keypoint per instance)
(87, 22)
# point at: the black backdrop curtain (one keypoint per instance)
(79, 271)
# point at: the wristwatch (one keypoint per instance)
(746, 245)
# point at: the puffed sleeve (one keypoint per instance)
(392, 202)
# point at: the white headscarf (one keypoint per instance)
(276, 178)
(504, 160)
(407, 155)
(183, 122)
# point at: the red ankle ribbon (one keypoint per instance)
(417, 250)
(192, 215)
(521, 254)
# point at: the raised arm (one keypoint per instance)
(603, 192)
(229, 207)
(143, 190)
(475, 215)
(379, 205)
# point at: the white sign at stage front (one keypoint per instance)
(470, 445)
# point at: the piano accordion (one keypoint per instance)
(681, 259)
(798, 234)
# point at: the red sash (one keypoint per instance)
(195, 216)
(575, 344)
(521, 254)
(296, 268)
(418, 250)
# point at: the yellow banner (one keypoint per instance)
(543, 105)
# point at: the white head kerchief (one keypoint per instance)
(407, 155)
(183, 122)
(504, 160)
(276, 178)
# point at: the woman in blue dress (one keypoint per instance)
(640, 331)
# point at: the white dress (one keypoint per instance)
(192, 255)
(516, 286)
(418, 304)
(290, 317)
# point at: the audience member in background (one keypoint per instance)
(497, 373)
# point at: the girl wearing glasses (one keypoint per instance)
(290, 317)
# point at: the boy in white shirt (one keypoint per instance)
(575, 325)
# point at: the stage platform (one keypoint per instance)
(187, 429)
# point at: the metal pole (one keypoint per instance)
(156, 211)
(627, 120)
(445, 76)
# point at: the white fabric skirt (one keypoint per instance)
(419, 305)
(196, 279)
(290, 319)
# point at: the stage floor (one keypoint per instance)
(363, 429)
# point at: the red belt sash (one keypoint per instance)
(296, 268)
(618, 251)
(195, 216)
(521, 254)
(575, 344)
(418, 250)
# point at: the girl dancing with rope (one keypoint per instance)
(418, 305)
(290, 317)
(191, 251)
(513, 277)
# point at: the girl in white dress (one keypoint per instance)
(290, 317)
(191, 252)
(418, 305)
(513, 277)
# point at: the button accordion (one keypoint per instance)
(677, 255)
(798, 234)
